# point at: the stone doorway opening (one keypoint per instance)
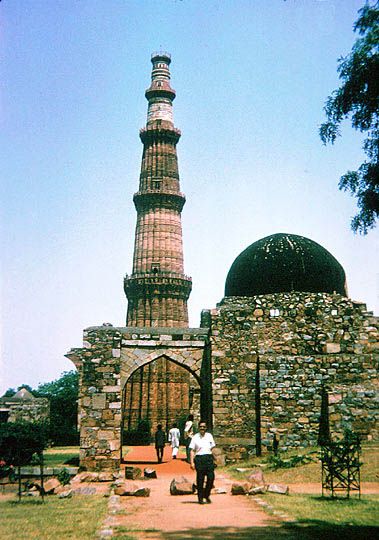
(159, 392)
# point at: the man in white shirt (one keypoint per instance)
(202, 460)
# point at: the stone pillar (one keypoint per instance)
(100, 399)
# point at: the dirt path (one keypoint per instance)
(165, 517)
(177, 514)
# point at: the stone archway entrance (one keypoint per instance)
(160, 392)
(109, 357)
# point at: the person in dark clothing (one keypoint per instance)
(160, 442)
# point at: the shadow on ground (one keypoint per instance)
(308, 530)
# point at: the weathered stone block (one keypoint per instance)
(132, 473)
(278, 488)
(181, 486)
(332, 348)
(98, 401)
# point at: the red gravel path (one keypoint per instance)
(164, 512)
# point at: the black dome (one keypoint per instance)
(284, 263)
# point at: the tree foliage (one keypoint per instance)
(9, 393)
(20, 440)
(63, 396)
(358, 96)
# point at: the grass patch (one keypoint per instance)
(77, 518)
(129, 533)
(338, 511)
(310, 472)
(58, 455)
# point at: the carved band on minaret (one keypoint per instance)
(157, 291)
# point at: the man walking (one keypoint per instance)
(202, 460)
(160, 441)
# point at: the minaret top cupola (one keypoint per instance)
(160, 95)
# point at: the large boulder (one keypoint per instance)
(181, 486)
(51, 485)
(131, 490)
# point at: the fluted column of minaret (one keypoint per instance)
(158, 290)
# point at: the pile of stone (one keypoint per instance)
(130, 489)
(255, 484)
(105, 476)
(51, 487)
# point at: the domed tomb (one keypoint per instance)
(284, 263)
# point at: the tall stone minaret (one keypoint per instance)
(157, 290)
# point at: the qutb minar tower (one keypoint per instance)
(157, 290)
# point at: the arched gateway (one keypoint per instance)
(106, 361)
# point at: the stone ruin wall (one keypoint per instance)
(310, 340)
(26, 410)
(105, 362)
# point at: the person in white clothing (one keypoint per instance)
(202, 460)
(188, 434)
(174, 438)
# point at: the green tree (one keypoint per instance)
(20, 440)
(9, 393)
(63, 396)
(358, 96)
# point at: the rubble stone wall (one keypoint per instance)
(301, 341)
(26, 410)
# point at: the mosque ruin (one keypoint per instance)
(256, 366)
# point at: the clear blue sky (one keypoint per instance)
(251, 78)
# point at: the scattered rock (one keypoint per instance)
(106, 477)
(60, 489)
(219, 490)
(86, 476)
(86, 490)
(131, 490)
(149, 473)
(66, 494)
(119, 482)
(278, 488)
(241, 488)
(181, 486)
(257, 490)
(255, 478)
(30, 493)
(132, 473)
(51, 485)
(219, 457)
